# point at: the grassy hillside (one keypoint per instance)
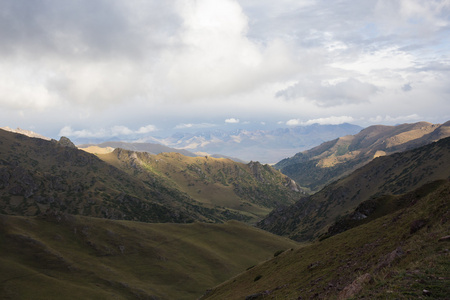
(60, 256)
(240, 191)
(319, 166)
(401, 255)
(387, 175)
(38, 175)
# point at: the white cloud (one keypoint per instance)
(393, 120)
(215, 57)
(192, 125)
(146, 129)
(183, 126)
(333, 120)
(114, 131)
(232, 121)
(328, 93)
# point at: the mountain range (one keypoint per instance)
(265, 146)
(321, 165)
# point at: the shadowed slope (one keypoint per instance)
(61, 256)
(394, 174)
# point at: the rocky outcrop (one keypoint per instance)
(66, 142)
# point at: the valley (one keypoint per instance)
(140, 223)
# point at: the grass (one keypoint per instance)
(249, 191)
(400, 264)
(74, 257)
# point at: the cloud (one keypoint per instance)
(329, 93)
(114, 131)
(146, 129)
(191, 125)
(232, 121)
(394, 120)
(322, 121)
(84, 63)
(215, 57)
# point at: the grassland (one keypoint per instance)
(246, 192)
(402, 255)
(61, 256)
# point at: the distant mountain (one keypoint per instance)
(402, 254)
(315, 168)
(267, 146)
(38, 175)
(142, 147)
(394, 174)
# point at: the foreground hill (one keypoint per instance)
(240, 191)
(387, 175)
(399, 255)
(60, 256)
(315, 168)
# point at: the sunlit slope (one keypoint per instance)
(241, 191)
(388, 175)
(319, 166)
(399, 255)
(72, 257)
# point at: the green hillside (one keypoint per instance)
(245, 192)
(401, 255)
(315, 168)
(60, 256)
(387, 175)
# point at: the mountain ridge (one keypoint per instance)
(321, 165)
(393, 174)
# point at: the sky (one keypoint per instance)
(104, 68)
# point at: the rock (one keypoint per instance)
(417, 225)
(355, 287)
(390, 258)
(444, 238)
(66, 142)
